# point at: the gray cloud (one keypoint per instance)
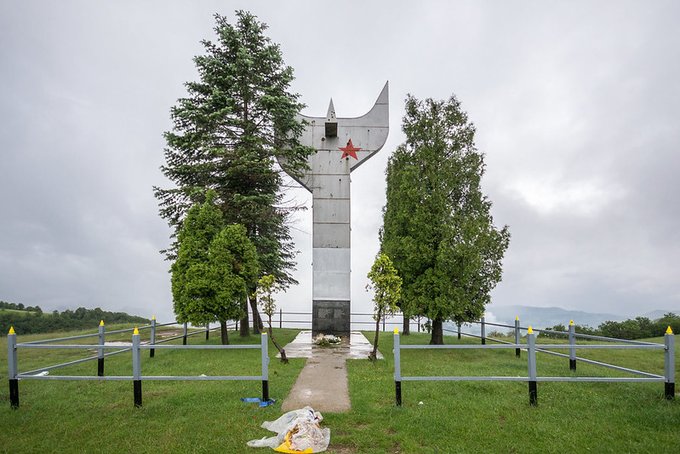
(576, 106)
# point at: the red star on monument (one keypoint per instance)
(349, 150)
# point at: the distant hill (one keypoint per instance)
(542, 317)
(654, 315)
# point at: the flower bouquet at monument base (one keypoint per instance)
(325, 340)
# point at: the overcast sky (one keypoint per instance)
(576, 103)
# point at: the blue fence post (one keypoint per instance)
(207, 331)
(184, 338)
(100, 350)
(265, 366)
(152, 340)
(136, 369)
(13, 368)
(397, 367)
(533, 391)
(669, 364)
(483, 332)
(572, 345)
(280, 318)
(517, 337)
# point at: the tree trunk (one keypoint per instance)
(257, 320)
(374, 354)
(245, 329)
(282, 352)
(437, 332)
(406, 329)
(224, 334)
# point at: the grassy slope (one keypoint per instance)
(16, 311)
(453, 417)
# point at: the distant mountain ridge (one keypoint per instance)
(543, 317)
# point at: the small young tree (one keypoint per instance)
(266, 287)
(387, 287)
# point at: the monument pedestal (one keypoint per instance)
(331, 317)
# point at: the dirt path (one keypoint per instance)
(322, 383)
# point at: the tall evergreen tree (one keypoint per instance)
(437, 225)
(236, 118)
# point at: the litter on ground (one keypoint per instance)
(263, 403)
(296, 431)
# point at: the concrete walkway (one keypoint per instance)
(322, 383)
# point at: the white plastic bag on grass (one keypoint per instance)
(297, 431)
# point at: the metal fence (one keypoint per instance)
(532, 377)
(136, 346)
(359, 321)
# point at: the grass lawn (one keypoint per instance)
(71, 416)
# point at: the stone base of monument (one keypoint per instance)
(331, 317)
(353, 346)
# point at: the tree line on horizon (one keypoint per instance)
(637, 328)
(32, 319)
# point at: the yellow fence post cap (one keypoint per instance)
(11, 331)
(530, 330)
(101, 323)
(153, 317)
(135, 332)
(668, 331)
(571, 323)
(396, 330)
(516, 317)
(264, 333)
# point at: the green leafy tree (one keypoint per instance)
(266, 287)
(437, 225)
(226, 134)
(214, 268)
(201, 225)
(401, 195)
(233, 269)
(386, 284)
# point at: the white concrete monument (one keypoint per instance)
(342, 145)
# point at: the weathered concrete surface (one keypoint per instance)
(342, 145)
(322, 383)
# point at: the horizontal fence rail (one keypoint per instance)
(135, 347)
(297, 320)
(359, 321)
(532, 378)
